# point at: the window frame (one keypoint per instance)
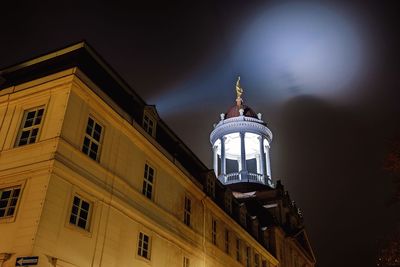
(11, 218)
(146, 123)
(23, 120)
(256, 259)
(214, 231)
(187, 211)
(237, 248)
(227, 240)
(88, 226)
(228, 202)
(210, 186)
(140, 244)
(91, 138)
(248, 256)
(146, 182)
(186, 261)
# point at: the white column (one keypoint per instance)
(258, 161)
(268, 161)
(239, 161)
(223, 162)
(262, 155)
(243, 152)
(216, 160)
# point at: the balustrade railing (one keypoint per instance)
(235, 177)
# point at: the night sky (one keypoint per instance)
(326, 78)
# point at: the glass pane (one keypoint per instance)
(22, 142)
(38, 120)
(28, 123)
(85, 205)
(144, 188)
(93, 155)
(82, 223)
(96, 136)
(25, 134)
(13, 202)
(2, 212)
(86, 142)
(40, 112)
(89, 130)
(32, 139)
(97, 128)
(30, 115)
(77, 200)
(34, 131)
(85, 149)
(3, 203)
(16, 192)
(83, 214)
(6, 194)
(74, 210)
(72, 219)
(10, 211)
(94, 147)
(90, 122)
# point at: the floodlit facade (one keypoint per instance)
(91, 176)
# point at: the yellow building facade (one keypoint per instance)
(91, 176)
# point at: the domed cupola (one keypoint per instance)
(241, 142)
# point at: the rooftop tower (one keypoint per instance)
(241, 143)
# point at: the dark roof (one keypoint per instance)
(234, 111)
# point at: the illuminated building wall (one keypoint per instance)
(91, 176)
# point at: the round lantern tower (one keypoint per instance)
(241, 142)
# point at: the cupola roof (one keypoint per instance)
(234, 111)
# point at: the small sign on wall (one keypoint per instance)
(26, 261)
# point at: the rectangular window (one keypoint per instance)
(148, 181)
(214, 231)
(30, 127)
(210, 186)
(264, 263)
(149, 125)
(243, 216)
(238, 258)
(80, 213)
(228, 202)
(144, 246)
(226, 241)
(92, 141)
(8, 201)
(186, 262)
(187, 211)
(247, 256)
(256, 260)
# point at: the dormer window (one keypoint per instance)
(242, 215)
(228, 202)
(210, 186)
(150, 120)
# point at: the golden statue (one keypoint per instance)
(239, 91)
